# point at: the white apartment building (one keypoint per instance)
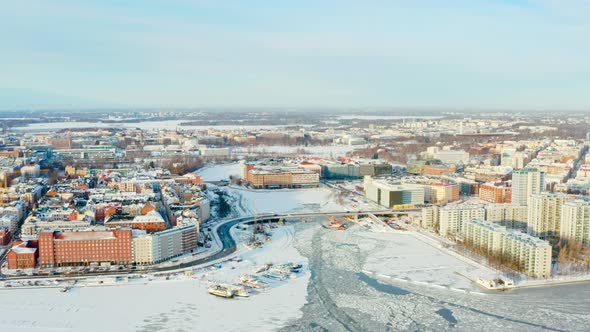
(526, 182)
(534, 255)
(161, 246)
(509, 215)
(575, 221)
(483, 234)
(544, 214)
(452, 217)
(430, 217)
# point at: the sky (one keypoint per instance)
(455, 54)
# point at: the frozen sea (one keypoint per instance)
(334, 295)
(343, 298)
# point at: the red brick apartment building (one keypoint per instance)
(500, 192)
(5, 236)
(22, 255)
(82, 248)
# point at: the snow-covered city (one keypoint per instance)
(344, 274)
(295, 166)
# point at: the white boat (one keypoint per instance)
(221, 291)
(252, 282)
(263, 268)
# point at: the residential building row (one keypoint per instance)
(532, 255)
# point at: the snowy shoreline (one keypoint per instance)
(182, 302)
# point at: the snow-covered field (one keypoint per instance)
(167, 305)
(220, 172)
(322, 199)
(406, 256)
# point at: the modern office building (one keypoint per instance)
(389, 195)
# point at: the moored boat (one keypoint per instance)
(275, 276)
(263, 268)
(252, 282)
(221, 291)
(239, 291)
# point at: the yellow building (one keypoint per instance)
(142, 249)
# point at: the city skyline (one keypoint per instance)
(522, 55)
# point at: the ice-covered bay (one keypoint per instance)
(167, 305)
(341, 297)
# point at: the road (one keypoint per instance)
(222, 234)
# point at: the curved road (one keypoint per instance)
(228, 244)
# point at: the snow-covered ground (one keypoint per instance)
(220, 172)
(322, 199)
(182, 304)
(405, 255)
